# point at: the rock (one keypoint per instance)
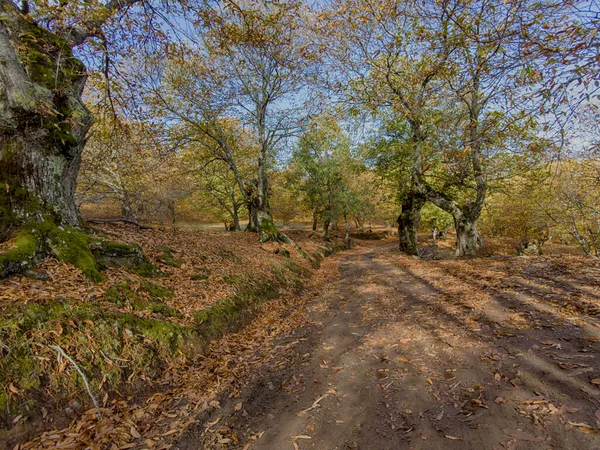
(36, 275)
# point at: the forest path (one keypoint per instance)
(409, 354)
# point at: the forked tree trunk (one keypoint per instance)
(408, 223)
(43, 123)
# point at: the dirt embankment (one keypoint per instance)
(131, 335)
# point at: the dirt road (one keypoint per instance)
(410, 354)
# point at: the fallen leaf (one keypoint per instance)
(238, 406)
(584, 427)
(500, 400)
(596, 381)
(135, 433)
(454, 438)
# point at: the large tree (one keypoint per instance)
(383, 61)
(44, 122)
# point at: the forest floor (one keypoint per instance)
(381, 351)
(401, 353)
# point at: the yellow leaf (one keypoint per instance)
(454, 438)
(135, 433)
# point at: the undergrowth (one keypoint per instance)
(122, 339)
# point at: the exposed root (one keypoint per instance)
(62, 353)
(129, 221)
(34, 241)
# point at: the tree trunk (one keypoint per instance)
(434, 235)
(126, 207)
(250, 190)
(408, 223)
(315, 222)
(326, 228)
(334, 226)
(347, 235)
(43, 123)
(236, 218)
(468, 241)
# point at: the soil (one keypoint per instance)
(401, 353)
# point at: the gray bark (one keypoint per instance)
(43, 122)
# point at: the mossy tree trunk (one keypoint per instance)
(43, 128)
(408, 223)
(43, 122)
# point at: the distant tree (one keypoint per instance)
(249, 65)
(334, 183)
(436, 220)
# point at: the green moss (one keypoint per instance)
(201, 274)
(268, 231)
(122, 294)
(228, 254)
(147, 297)
(114, 254)
(238, 309)
(70, 245)
(234, 280)
(104, 344)
(3, 403)
(48, 58)
(168, 259)
(156, 291)
(20, 254)
(163, 309)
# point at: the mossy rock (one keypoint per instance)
(20, 255)
(114, 254)
(73, 246)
